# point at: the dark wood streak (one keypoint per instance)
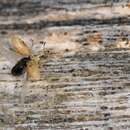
(80, 22)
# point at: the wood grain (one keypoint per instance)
(84, 81)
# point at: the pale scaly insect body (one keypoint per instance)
(28, 63)
(33, 70)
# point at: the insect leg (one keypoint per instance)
(43, 47)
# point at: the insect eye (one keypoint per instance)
(42, 42)
(124, 39)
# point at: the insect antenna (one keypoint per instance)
(32, 41)
(43, 43)
(43, 47)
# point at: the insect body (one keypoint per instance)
(33, 70)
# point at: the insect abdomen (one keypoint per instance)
(20, 66)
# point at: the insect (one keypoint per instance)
(28, 63)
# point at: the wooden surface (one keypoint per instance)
(85, 76)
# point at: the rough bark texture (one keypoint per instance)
(85, 75)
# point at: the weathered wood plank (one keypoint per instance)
(84, 83)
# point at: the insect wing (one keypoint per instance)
(8, 53)
(33, 71)
(20, 46)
